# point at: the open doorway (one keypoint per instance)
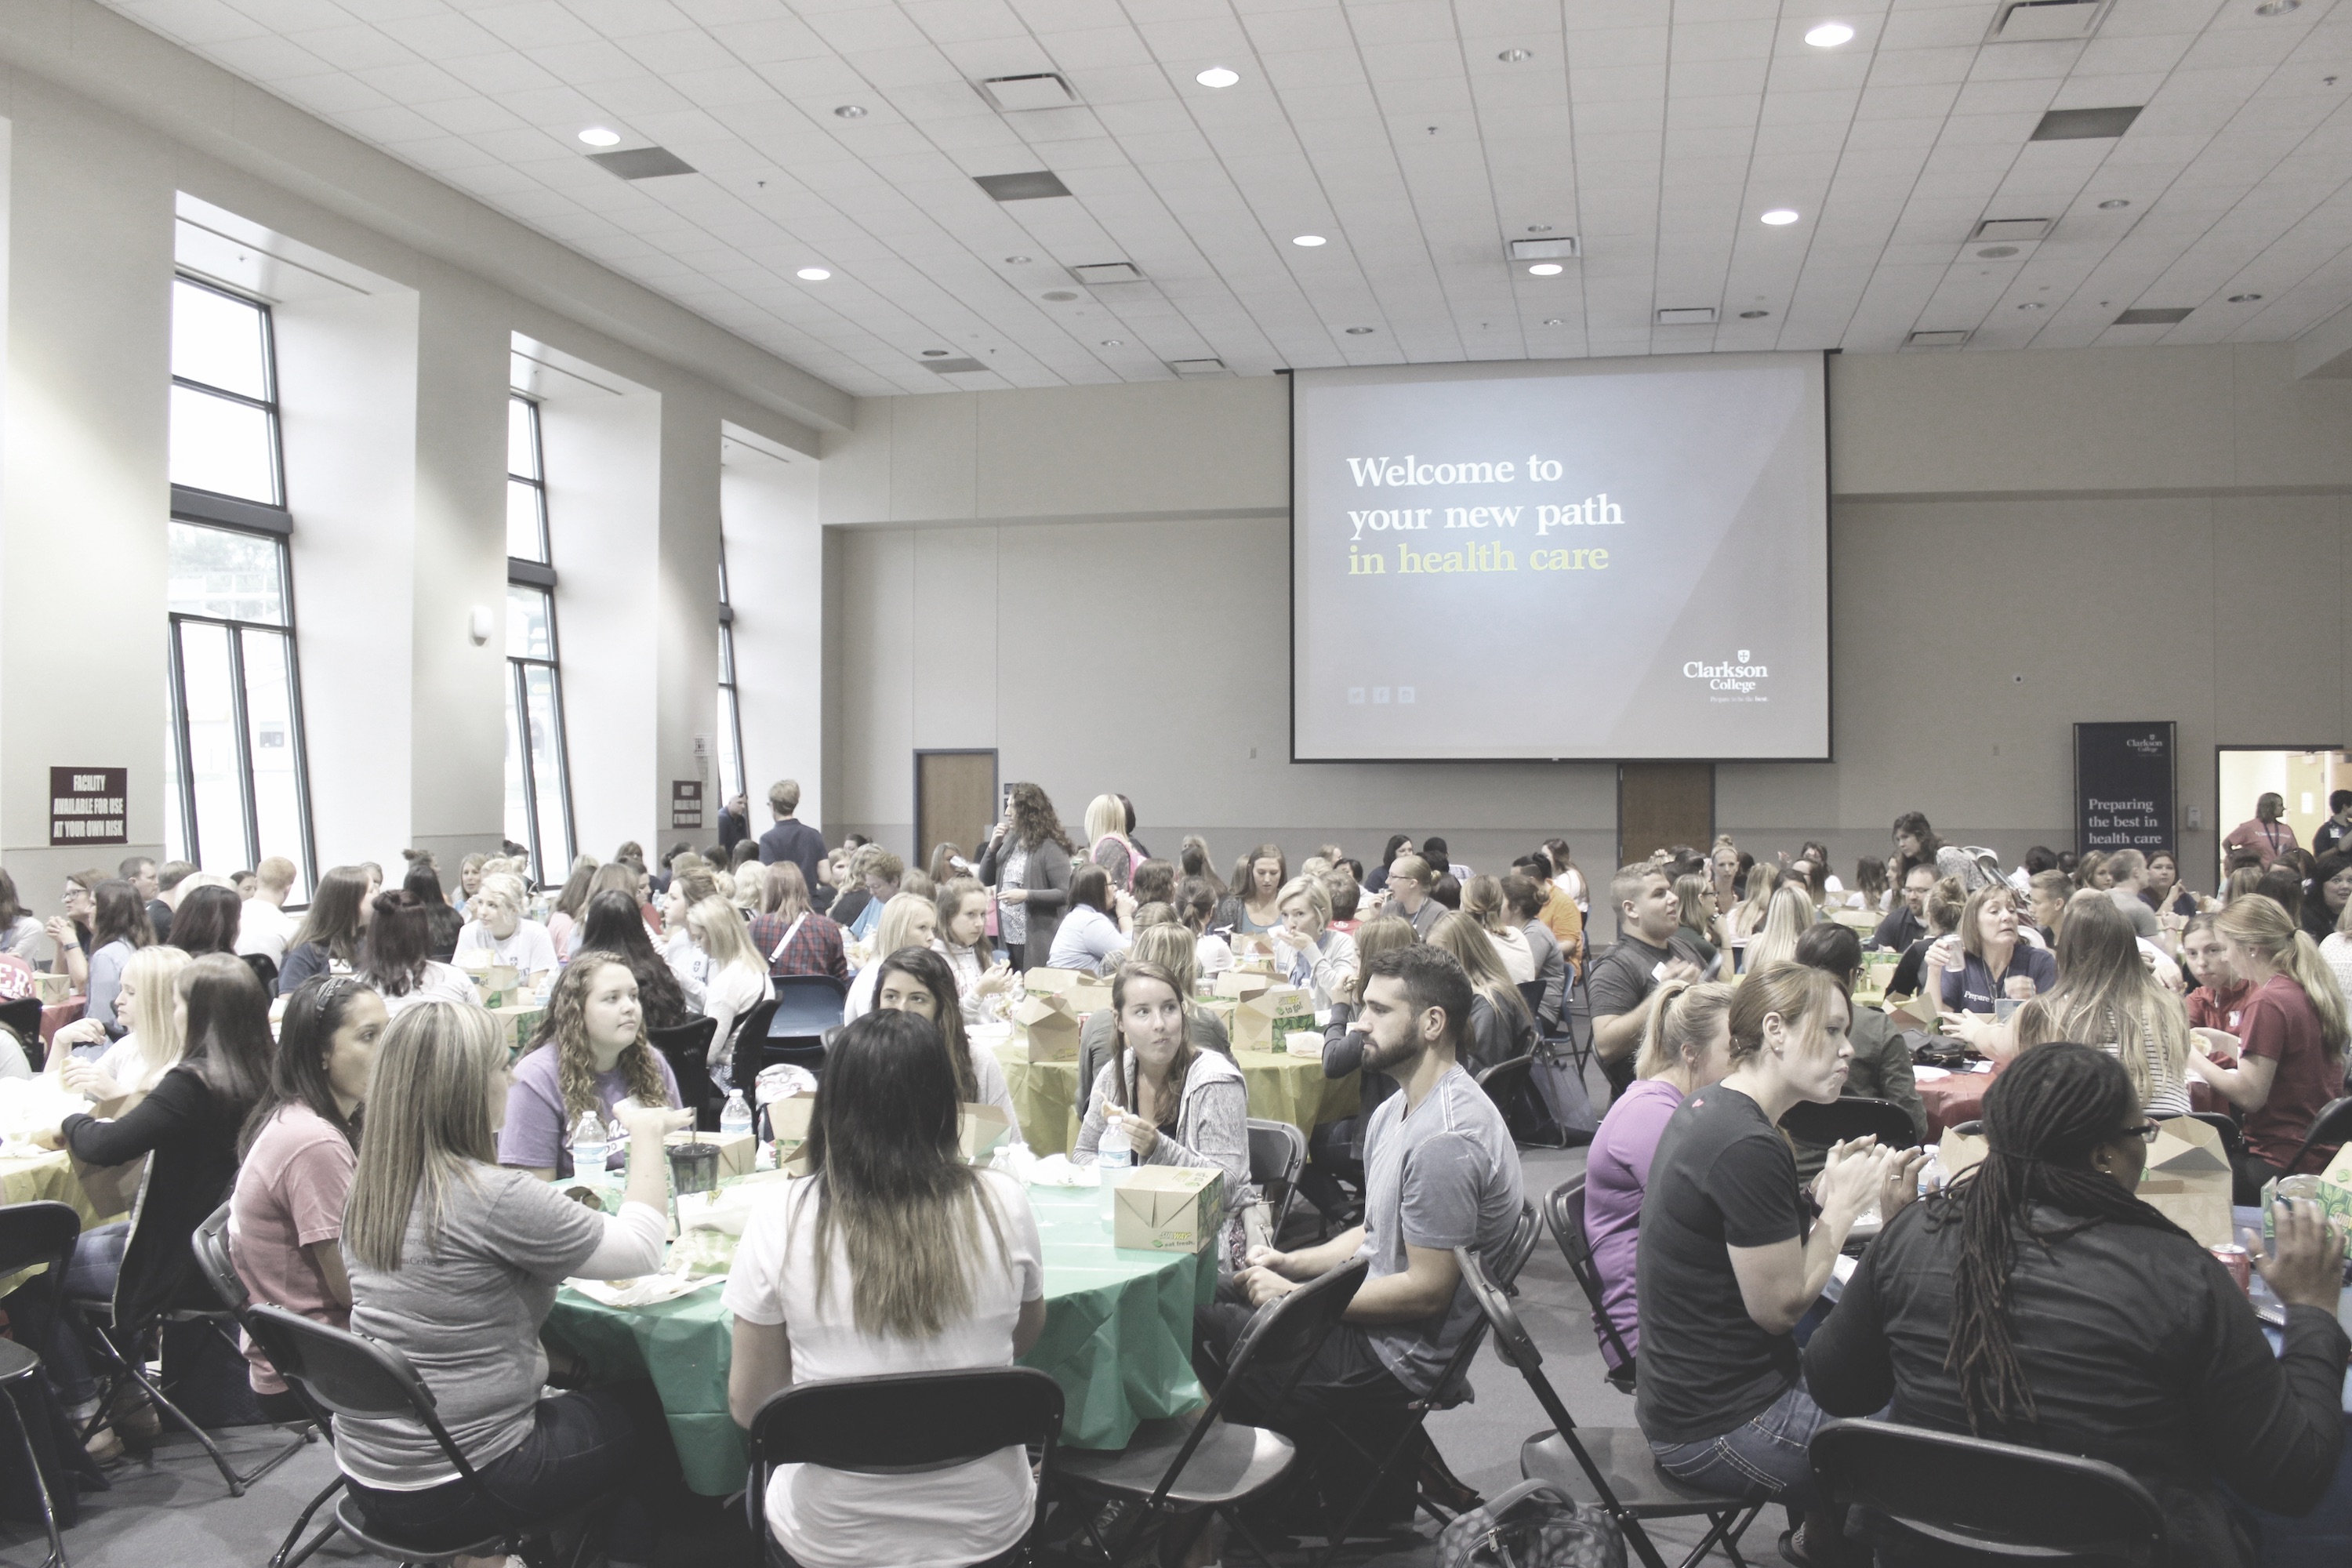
(2302, 778)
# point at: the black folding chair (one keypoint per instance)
(686, 1047)
(1190, 1462)
(1850, 1115)
(36, 1235)
(1563, 1209)
(2332, 1125)
(211, 1242)
(808, 1008)
(902, 1425)
(1994, 1501)
(1506, 1081)
(744, 1060)
(119, 1342)
(22, 1018)
(1450, 1389)
(1277, 1153)
(1611, 1466)
(366, 1381)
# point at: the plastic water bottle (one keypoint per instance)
(734, 1116)
(1931, 1175)
(589, 1145)
(1114, 1159)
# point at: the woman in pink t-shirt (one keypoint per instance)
(286, 1218)
(1686, 1046)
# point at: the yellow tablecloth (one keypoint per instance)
(45, 1176)
(1282, 1088)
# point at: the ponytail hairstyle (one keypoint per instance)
(1797, 994)
(2263, 926)
(1947, 900)
(2045, 1117)
(1681, 1020)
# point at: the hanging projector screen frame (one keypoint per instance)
(1567, 647)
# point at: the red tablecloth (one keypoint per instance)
(57, 1015)
(1961, 1098)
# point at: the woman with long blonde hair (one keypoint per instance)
(1746, 918)
(590, 1054)
(1501, 1027)
(1107, 845)
(906, 921)
(1482, 899)
(1785, 919)
(2289, 1048)
(150, 1001)
(2106, 997)
(453, 1262)
(892, 1256)
(738, 980)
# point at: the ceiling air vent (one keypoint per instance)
(2153, 316)
(2083, 124)
(642, 163)
(1042, 89)
(953, 367)
(1558, 248)
(1100, 272)
(1686, 316)
(1936, 340)
(2045, 21)
(1025, 187)
(1197, 366)
(2012, 228)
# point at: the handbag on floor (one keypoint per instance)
(1533, 1525)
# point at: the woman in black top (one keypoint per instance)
(445, 922)
(1726, 1265)
(189, 1122)
(616, 924)
(334, 933)
(2040, 1302)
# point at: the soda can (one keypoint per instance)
(2239, 1264)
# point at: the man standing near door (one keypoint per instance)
(791, 838)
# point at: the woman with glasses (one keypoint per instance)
(2039, 1302)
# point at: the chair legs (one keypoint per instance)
(281, 1558)
(56, 1557)
(130, 1366)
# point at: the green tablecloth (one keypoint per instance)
(1282, 1088)
(1119, 1336)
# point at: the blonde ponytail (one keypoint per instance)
(2318, 981)
(2262, 923)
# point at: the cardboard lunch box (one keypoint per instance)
(53, 988)
(737, 1151)
(1241, 985)
(981, 1130)
(1263, 1022)
(2334, 1197)
(1084, 992)
(1168, 1208)
(1047, 1026)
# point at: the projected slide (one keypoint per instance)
(1591, 559)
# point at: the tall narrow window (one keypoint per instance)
(233, 759)
(539, 781)
(730, 714)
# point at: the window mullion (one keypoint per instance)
(178, 676)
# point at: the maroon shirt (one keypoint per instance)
(2279, 1021)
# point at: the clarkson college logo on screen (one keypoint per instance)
(1735, 681)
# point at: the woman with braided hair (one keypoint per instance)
(2040, 1302)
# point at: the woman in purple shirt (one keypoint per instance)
(1685, 1046)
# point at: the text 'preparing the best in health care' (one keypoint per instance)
(1439, 554)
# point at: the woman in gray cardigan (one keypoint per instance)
(1028, 863)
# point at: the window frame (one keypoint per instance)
(539, 577)
(731, 686)
(235, 514)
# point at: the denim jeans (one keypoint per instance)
(587, 1445)
(1767, 1452)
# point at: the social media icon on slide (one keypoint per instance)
(1356, 696)
(1380, 695)
(1404, 693)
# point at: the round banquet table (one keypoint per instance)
(1117, 1338)
(1047, 1099)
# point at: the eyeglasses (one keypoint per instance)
(2145, 1131)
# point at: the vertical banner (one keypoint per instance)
(685, 803)
(85, 806)
(2124, 787)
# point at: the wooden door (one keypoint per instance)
(1660, 804)
(955, 802)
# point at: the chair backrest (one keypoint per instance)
(807, 1006)
(1517, 1347)
(1291, 1328)
(751, 1046)
(211, 1244)
(1277, 1153)
(1850, 1115)
(1503, 1080)
(1532, 992)
(23, 1019)
(686, 1047)
(1996, 1498)
(1500, 1269)
(2332, 1125)
(1564, 1213)
(39, 1233)
(264, 969)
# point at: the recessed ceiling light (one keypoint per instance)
(1829, 35)
(1546, 269)
(812, 275)
(1753, 315)
(1114, 343)
(1780, 215)
(2030, 305)
(1513, 57)
(935, 354)
(2116, 206)
(1309, 240)
(1059, 296)
(2277, 8)
(1360, 331)
(1539, 228)
(1218, 76)
(1553, 322)
(600, 136)
(2243, 298)
(1016, 260)
(1998, 252)
(851, 112)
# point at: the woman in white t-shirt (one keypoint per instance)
(496, 932)
(894, 1257)
(735, 980)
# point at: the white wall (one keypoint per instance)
(776, 568)
(1095, 583)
